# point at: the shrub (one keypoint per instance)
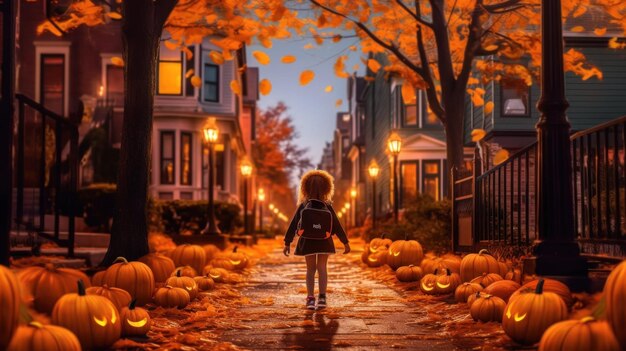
(190, 216)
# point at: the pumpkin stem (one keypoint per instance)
(587, 319)
(178, 272)
(483, 251)
(448, 272)
(131, 305)
(539, 288)
(120, 259)
(406, 236)
(436, 270)
(81, 288)
(35, 324)
(235, 249)
(49, 266)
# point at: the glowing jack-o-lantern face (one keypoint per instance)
(103, 321)
(135, 321)
(428, 283)
(377, 259)
(183, 282)
(447, 282)
(219, 275)
(238, 260)
(404, 253)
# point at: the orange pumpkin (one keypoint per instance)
(504, 268)
(119, 297)
(381, 243)
(9, 305)
(96, 280)
(35, 336)
(579, 335)
(527, 316)
(447, 282)
(502, 289)
(550, 285)
(185, 271)
(429, 264)
(170, 297)
(409, 273)
(160, 265)
(404, 253)
(474, 265)
(473, 297)
(134, 277)
(464, 291)
(210, 252)
(222, 262)
(239, 260)
(514, 274)
(377, 259)
(365, 254)
(135, 320)
(47, 284)
(427, 284)
(219, 275)
(487, 308)
(92, 318)
(205, 283)
(486, 279)
(180, 281)
(189, 255)
(615, 295)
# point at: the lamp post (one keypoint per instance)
(373, 170)
(246, 172)
(211, 133)
(261, 197)
(394, 144)
(353, 195)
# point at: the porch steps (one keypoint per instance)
(80, 239)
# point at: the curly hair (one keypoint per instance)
(316, 184)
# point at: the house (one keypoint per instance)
(356, 154)
(326, 162)
(75, 75)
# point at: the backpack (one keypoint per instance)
(315, 223)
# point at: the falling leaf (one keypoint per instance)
(216, 57)
(577, 29)
(308, 46)
(340, 67)
(235, 87)
(338, 103)
(478, 134)
(352, 48)
(306, 77)
(491, 47)
(373, 65)
(188, 53)
(172, 45)
(288, 59)
(321, 21)
(599, 31)
(337, 38)
(117, 61)
(189, 73)
(114, 15)
(262, 57)
(409, 96)
(196, 81)
(265, 87)
(265, 41)
(328, 88)
(500, 156)
(488, 107)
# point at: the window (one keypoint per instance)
(115, 84)
(185, 158)
(211, 83)
(167, 157)
(409, 115)
(431, 178)
(429, 118)
(515, 99)
(52, 82)
(345, 143)
(189, 64)
(408, 181)
(170, 72)
(219, 166)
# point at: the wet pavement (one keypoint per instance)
(362, 313)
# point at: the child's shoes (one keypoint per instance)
(310, 302)
(321, 301)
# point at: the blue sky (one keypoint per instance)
(312, 109)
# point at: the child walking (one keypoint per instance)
(315, 221)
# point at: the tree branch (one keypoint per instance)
(162, 10)
(415, 15)
(431, 92)
(505, 6)
(473, 45)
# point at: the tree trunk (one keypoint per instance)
(454, 126)
(141, 33)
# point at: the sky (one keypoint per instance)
(312, 109)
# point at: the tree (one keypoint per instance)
(450, 48)
(277, 157)
(187, 22)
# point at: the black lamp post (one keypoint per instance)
(246, 172)
(211, 133)
(261, 197)
(373, 171)
(394, 144)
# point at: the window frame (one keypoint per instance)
(528, 113)
(42, 93)
(107, 83)
(184, 135)
(426, 176)
(417, 179)
(216, 83)
(162, 177)
(182, 74)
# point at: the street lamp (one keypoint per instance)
(246, 172)
(373, 171)
(394, 144)
(353, 195)
(261, 197)
(211, 134)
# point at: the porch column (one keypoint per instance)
(556, 251)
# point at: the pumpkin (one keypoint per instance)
(487, 308)
(210, 252)
(503, 268)
(185, 271)
(47, 284)
(189, 255)
(514, 274)
(486, 279)
(38, 337)
(377, 259)
(579, 335)
(502, 289)
(92, 318)
(222, 262)
(134, 277)
(239, 260)
(9, 305)
(180, 281)
(160, 265)
(403, 253)
(96, 280)
(464, 291)
(527, 316)
(365, 254)
(473, 297)
(452, 262)
(170, 297)
(615, 295)
(427, 284)
(119, 297)
(204, 283)
(409, 273)
(379, 243)
(429, 264)
(550, 285)
(219, 275)
(474, 265)
(447, 283)
(135, 320)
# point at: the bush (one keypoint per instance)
(190, 216)
(424, 220)
(97, 204)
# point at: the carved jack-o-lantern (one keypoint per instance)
(170, 297)
(377, 259)
(403, 253)
(180, 281)
(427, 284)
(446, 283)
(239, 260)
(185, 271)
(218, 275)
(381, 243)
(135, 320)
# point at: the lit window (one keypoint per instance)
(211, 83)
(429, 118)
(431, 178)
(115, 84)
(167, 157)
(515, 97)
(408, 181)
(53, 82)
(185, 158)
(346, 117)
(170, 72)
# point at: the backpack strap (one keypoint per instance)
(310, 203)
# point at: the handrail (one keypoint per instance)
(41, 109)
(598, 128)
(517, 154)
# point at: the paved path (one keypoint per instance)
(363, 314)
